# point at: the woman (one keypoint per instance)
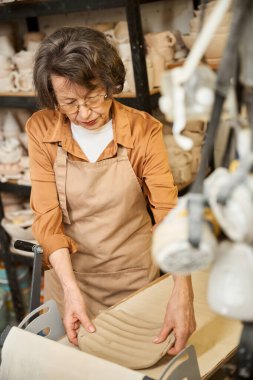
(94, 163)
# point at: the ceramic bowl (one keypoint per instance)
(215, 48)
(195, 22)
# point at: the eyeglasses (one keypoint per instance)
(89, 102)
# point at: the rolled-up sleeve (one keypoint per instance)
(47, 228)
(158, 180)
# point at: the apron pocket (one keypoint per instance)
(102, 290)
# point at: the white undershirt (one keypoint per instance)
(93, 142)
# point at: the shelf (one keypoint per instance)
(31, 8)
(214, 64)
(18, 100)
(28, 99)
(32, 94)
(11, 187)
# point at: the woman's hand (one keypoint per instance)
(75, 313)
(179, 316)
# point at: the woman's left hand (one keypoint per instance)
(179, 316)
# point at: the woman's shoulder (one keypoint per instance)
(41, 122)
(141, 123)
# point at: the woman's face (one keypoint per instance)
(87, 108)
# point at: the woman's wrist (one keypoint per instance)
(183, 287)
(60, 261)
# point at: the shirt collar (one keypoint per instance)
(120, 121)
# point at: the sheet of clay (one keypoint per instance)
(125, 339)
(215, 339)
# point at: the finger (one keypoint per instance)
(85, 321)
(179, 345)
(76, 325)
(163, 334)
(71, 332)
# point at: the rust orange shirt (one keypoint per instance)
(138, 131)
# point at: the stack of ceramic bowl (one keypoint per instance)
(216, 47)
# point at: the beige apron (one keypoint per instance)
(105, 212)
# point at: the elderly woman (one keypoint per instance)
(96, 165)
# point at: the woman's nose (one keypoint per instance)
(83, 111)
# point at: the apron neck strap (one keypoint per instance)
(122, 151)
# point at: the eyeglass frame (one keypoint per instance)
(78, 105)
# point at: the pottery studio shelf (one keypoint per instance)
(14, 188)
(214, 64)
(29, 100)
(33, 8)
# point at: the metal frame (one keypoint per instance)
(138, 54)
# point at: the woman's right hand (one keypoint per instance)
(75, 313)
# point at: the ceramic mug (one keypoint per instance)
(235, 216)
(121, 32)
(125, 51)
(23, 80)
(231, 281)
(160, 39)
(158, 63)
(163, 43)
(129, 85)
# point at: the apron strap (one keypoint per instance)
(122, 152)
(60, 169)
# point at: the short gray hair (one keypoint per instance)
(81, 55)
